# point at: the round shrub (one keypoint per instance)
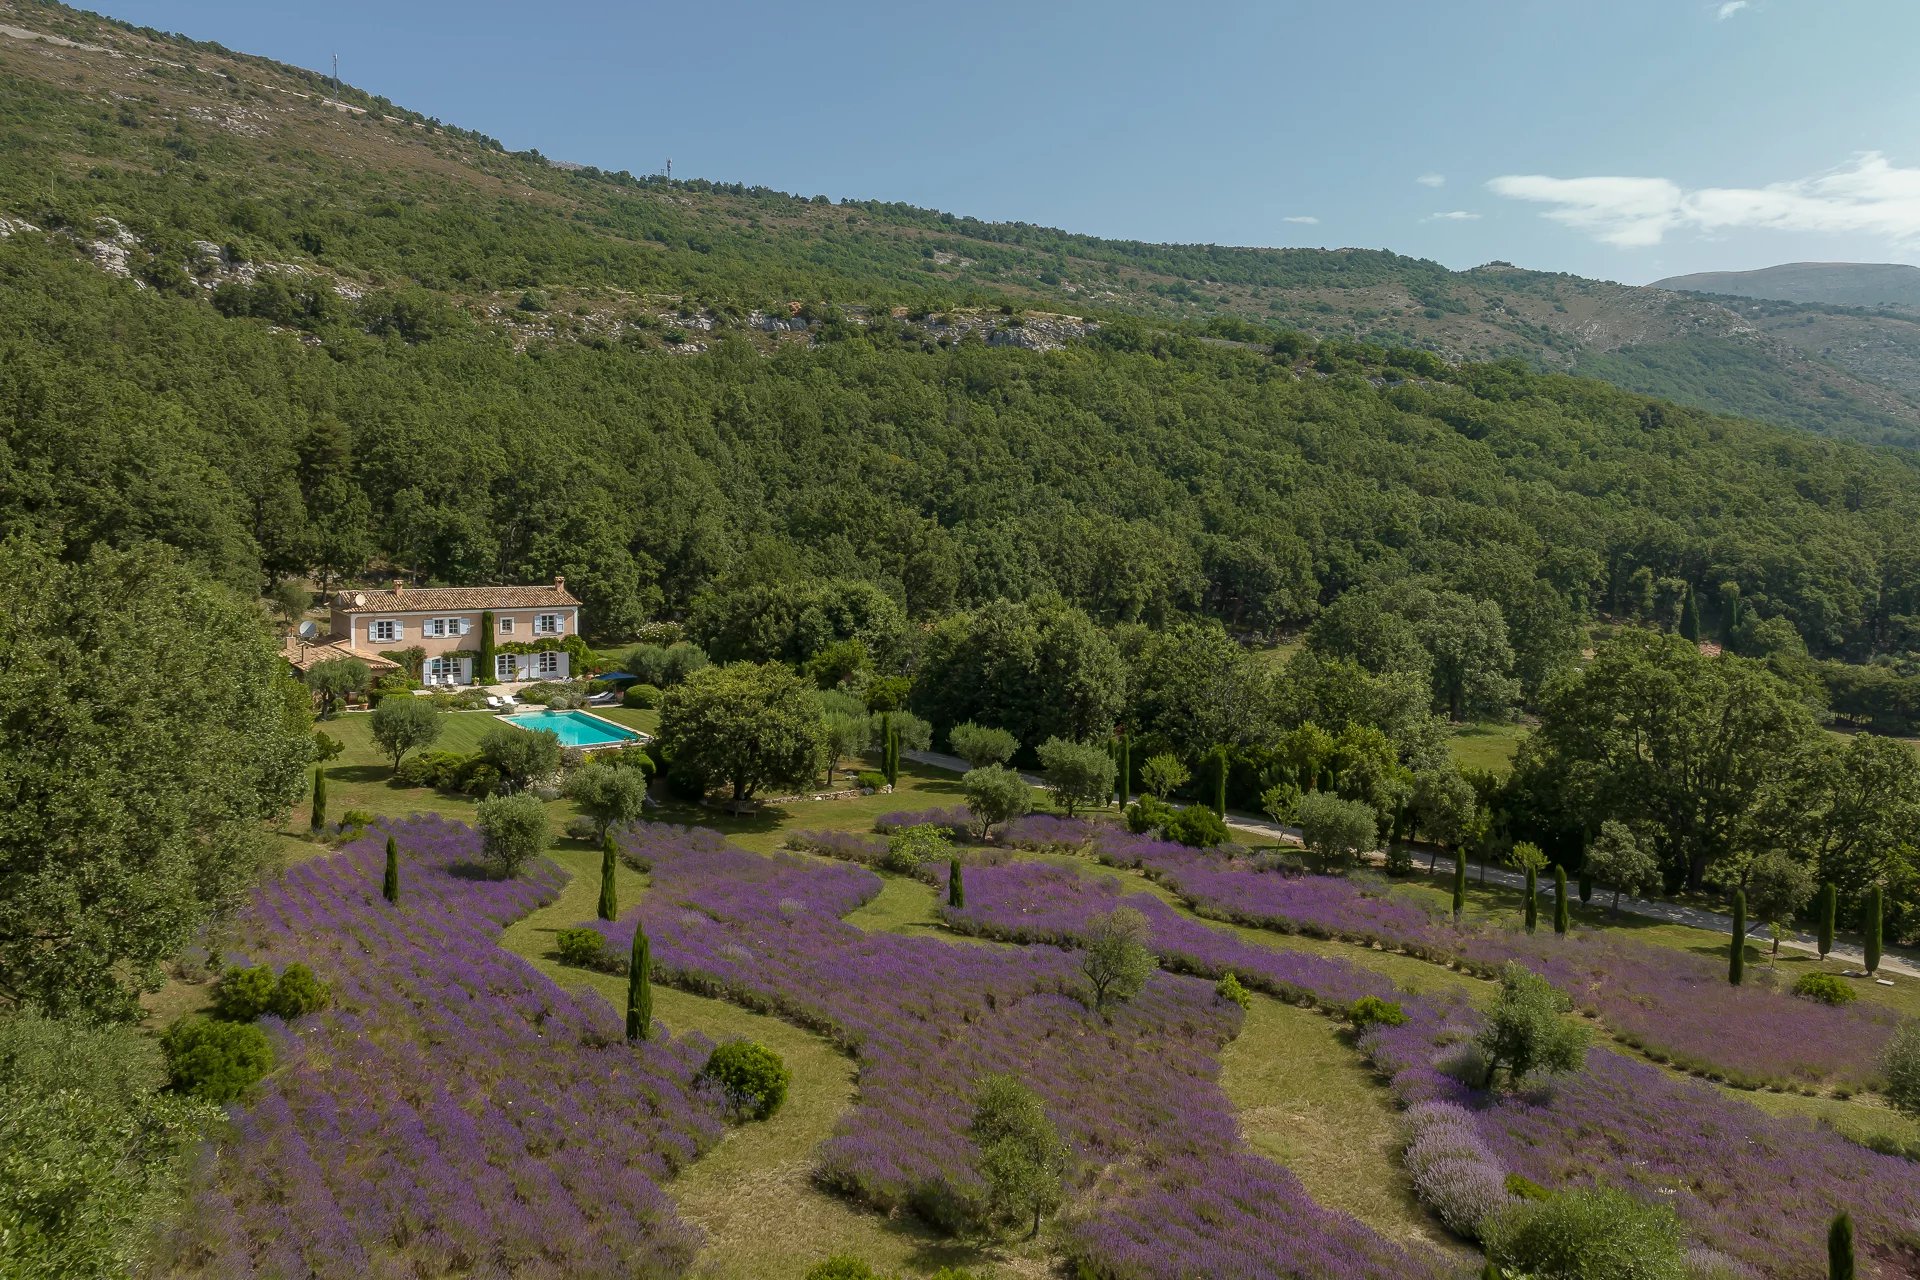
(1370, 1011)
(1825, 988)
(842, 1266)
(751, 1076)
(298, 993)
(869, 780)
(641, 697)
(1229, 990)
(244, 994)
(581, 948)
(1901, 1063)
(1196, 826)
(215, 1061)
(1597, 1234)
(1463, 1192)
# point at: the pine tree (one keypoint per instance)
(1871, 928)
(1840, 1248)
(609, 892)
(390, 883)
(639, 987)
(1737, 957)
(1533, 899)
(1826, 907)
(1562, 915)
(1459, 880)
(1690, 616)
(956, 890)
(319, 820)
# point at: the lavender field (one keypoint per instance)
(454, 1112)
(1674, 1006)
(1164, 1186)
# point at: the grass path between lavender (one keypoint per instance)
(753, 1194)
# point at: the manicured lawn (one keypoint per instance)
(1306, 1100)
(1488, 747)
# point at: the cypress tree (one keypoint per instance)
(1562, 916)
(609, 893)
(956, 890)
(1828, 901)
(1690, 616)
(390, 883)
(1220, 781)
(1126, 768)
(1840, 1248)
(1586, 883)
(319, 820)
(1874, 912)
(1737, 958)
(639, 987)
(1459, 880)
(485, 673)
(1533, 899)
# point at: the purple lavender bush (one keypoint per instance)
(1673, 1006)
(1167, 1187)
(454, 1111)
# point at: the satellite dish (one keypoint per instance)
(309, 630)
(359, 601)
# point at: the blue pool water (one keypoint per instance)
(575, 728)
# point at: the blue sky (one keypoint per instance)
(1627, 139)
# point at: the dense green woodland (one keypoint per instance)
(1141, 476)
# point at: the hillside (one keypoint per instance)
(1835, 284)
(216, 167)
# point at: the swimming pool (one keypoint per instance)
(575, 728)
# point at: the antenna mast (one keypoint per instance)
(669, 168)
(336, 75)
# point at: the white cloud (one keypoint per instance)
(1305, 220)
(1866, 196)
(1432, 179)
(1453, 215)
(1730, 8)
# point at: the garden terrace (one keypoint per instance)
(1670, 1004)
(1136, 1096)
(454, 1110)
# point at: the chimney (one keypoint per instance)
(559, 582)
(399, 585)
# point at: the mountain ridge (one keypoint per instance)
(1835, 284)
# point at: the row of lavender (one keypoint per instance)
(1754, 1189)
(455, 1111)
(1137, 1096)
(1673, 1005)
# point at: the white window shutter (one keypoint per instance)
(466, 625)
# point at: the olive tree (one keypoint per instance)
(1527, 1030)
(334, 679)
(403, 724)
(1018, 1153)
(996, 794)
(1163, 775)
(513, 830)
(611, 795)
(1335, 831)
(1078, 773)
(1778, 888)
(980, 745)
(1116, 960)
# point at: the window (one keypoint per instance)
(386, 629)
(505, 627)
(546, 624)
(503, 666)
(443, 670)
(548, 664)
(446, 626)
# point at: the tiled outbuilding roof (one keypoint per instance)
(304, 653)
(401, 599)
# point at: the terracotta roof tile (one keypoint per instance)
(454, 599)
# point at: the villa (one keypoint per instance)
(530, 626)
